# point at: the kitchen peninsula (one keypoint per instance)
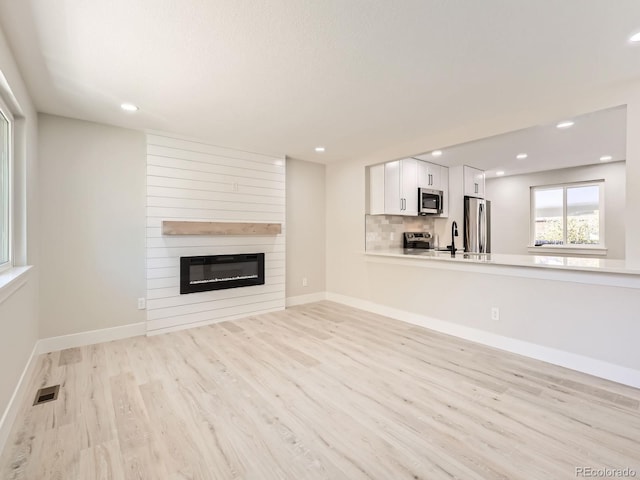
(546, 307)
(594, 271)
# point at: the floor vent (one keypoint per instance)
(47, 394)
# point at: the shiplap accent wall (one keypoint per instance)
(189, 180)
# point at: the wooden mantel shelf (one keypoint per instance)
(170, 227)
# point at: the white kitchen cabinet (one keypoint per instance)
(393, 188)
(444, 186)
(401, 187)
(409, 168)
(393, 200)
(435, 177)
(376, 189)
(429, 175)
(473, 182)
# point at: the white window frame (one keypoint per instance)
(599, 249)
(10, 234)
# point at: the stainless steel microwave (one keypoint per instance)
(430, 201)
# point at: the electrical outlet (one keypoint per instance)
(495, 313)
(305, 283)
(142, 303)
(391, 236)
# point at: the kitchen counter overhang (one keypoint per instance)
(597, 271)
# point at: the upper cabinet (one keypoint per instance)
(376, 189)
(393, 186)
(429, 175)
(401, 187)
(473, 182)
(435, 177)
(444, 186)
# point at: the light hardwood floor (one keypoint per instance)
(320, 391)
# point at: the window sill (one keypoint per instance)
(11, 280)
(568, 250)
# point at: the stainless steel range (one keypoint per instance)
(422, 240)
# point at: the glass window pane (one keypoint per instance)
(583, 215)
(4, 189)
(548, 208)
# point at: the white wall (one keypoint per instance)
(306, 250)
(192, 180)
(632, 210)
(92, 194)
(599, 322)
(18, 335)
(19, 313)
(510, 207)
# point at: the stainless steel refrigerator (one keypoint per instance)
(477, 231)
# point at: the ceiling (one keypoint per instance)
(285, 76)
(594, 135)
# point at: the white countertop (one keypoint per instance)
(534, 261)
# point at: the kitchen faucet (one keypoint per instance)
(454, 234)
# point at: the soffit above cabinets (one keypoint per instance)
(547, 148)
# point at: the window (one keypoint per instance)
(568, 216)
(5, 187)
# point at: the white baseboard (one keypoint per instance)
(53, 344)
(573, 361)
(16, 400)
(302, 299)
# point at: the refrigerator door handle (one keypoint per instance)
(482, 248)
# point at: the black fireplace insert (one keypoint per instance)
(217, 272)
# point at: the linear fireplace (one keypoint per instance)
(217, 272)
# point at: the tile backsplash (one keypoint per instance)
(385, 231)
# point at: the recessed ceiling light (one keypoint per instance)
(606, 158)
(521, 156)
(436, 153)
(499, 173)
(635, 38)
(129, 107)
(319, 149)
(566, 124)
